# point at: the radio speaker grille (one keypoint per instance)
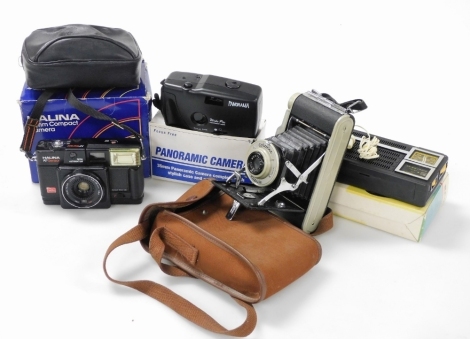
(388, 159)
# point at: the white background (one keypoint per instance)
(409, 61)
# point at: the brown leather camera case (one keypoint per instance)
(250, 257)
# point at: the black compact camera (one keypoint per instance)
(210, 104)
(294, 171)
(90, 173)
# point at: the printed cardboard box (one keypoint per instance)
(389, 215)
(131, 106)
(189, 156)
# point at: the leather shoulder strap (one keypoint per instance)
(194, 194)
(33, 122)
(174, 301)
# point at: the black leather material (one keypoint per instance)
(81, 56)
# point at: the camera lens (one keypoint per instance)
(255, 163)
(199, 118)
(82, 190)
(262, 163)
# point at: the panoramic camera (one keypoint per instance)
(210, 104)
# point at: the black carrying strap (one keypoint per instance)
(34, 119)
(351, 106)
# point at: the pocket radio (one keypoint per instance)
(403, 172)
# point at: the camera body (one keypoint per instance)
(294, 171)
(211, 104)
(90, 173)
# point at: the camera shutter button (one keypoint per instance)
(188, 85)
(232, 84)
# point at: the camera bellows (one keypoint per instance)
(301, 146)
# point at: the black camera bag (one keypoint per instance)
(78, 55)
(81, 56)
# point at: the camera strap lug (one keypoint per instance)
(353, 106)
(143, 156)
(287, 186)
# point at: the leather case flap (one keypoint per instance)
(251, 258)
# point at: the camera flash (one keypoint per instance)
(125, 157)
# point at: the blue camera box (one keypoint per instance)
(130, 106)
